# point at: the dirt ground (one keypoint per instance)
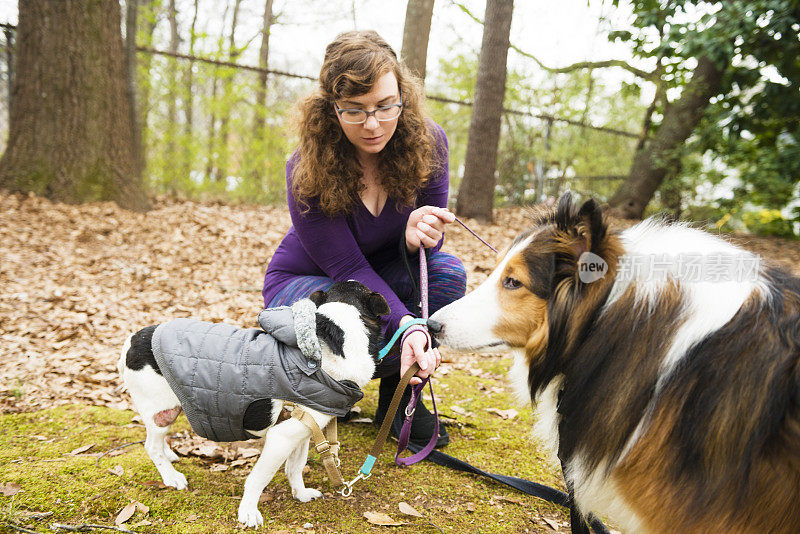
(77, 279)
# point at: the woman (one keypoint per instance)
(370, 175)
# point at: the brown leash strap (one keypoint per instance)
(386, 426)
(366, 469)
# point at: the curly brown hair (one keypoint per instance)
(327, 168)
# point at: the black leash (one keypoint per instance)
(534, 489)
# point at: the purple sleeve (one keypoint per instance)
(436, 192)
(330, 243)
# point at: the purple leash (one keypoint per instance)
(468, 229)
(416, 391)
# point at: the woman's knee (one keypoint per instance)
(447, 278)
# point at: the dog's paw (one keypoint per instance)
(307, 494)
(176, 480)
(249, 516)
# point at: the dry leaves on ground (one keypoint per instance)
(77, 280)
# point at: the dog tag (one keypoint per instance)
(312, 364)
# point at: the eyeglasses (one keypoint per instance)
(360, 116)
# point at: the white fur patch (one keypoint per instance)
(469, 323)
(357, 364)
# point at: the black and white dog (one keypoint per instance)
(349, 333)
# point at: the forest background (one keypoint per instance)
(684, 107)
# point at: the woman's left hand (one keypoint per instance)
(425, 227)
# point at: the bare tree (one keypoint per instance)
(224, 127)
(131, 27)
(416, 32)
(147, 14)
(172, 75)
(476, 195)
(188, 90)
(263, 62)
(71, 137)
(660, 155)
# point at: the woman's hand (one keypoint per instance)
(413, 350)
(425, 227)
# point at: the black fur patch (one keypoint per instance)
(258, 415)
(331, 334)
(140, 352)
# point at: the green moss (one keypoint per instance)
(35, 447)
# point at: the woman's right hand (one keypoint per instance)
(425, 227)
(414, 350)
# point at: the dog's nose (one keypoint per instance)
(435, 326)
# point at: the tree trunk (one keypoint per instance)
(224, 126)
(661, 154)
(263, 62)
(131, 27)
(416, 31)
(172, 79)
(476, 195)
(70, 136)
(147, 18)
(188, 127)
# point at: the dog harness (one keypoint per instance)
(217, 370)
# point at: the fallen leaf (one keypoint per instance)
(266, 497)
(191, 517)
(511, 500)
(143, 523)
(155, 484)
(249, 453)
(409, 510)
(219, 467)
(504, 414)
(361, 420)
(125, 514)
(10, 489)
(470, 507)
(554, 525)
(237, 463)
(208, 450)
(143, 508)
(117, 470)
(379, 518)
(81, 450)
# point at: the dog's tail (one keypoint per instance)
(123, 357)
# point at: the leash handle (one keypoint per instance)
(405, 433)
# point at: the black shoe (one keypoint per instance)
(423, 423)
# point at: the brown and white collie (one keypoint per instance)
(664, 363)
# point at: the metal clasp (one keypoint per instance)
(347, 489)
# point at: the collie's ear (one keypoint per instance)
(565, 212)
(318, 298)
(377, 305)
(592, 216)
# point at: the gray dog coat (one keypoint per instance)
(217, 370)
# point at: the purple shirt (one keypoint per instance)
(352, 246)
